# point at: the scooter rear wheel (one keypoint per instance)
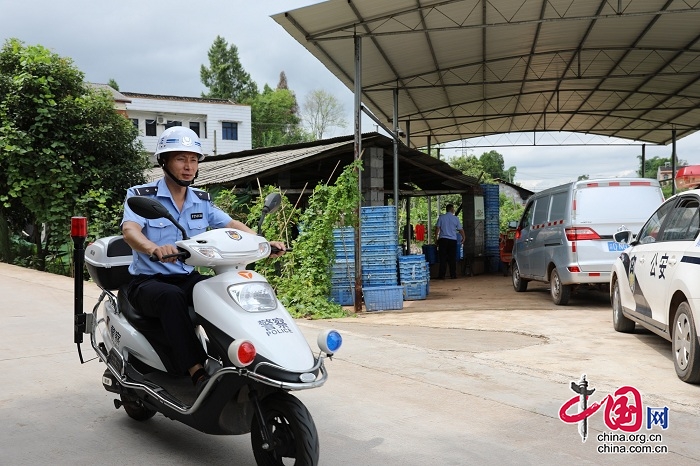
(292, 429)
(136, 409)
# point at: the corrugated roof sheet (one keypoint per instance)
(470, 68)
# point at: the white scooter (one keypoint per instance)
(257, 354)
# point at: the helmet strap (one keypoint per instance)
(162, 161)
(178, 181)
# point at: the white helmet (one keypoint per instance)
(180, 139)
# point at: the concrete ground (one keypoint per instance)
(474, 374)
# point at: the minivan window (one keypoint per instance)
(541, 211)
(527, 216)
(558, 211)
(623, 204)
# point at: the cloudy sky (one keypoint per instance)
(157, 47)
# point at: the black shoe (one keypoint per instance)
(453, 278)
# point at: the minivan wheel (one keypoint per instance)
(560, 292)
(686, 357)
(620, 322)
(518, 283)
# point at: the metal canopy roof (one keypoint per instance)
(471, 68)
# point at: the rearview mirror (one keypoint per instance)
(272, 202)
(151, 209)
(623, 236)
(147, 207)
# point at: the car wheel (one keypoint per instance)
(518, 283)
(560, 292)
(620, 322)
(685, 345)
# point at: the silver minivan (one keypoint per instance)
(565, 235)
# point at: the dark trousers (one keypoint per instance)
(167, 297)
(447, 254)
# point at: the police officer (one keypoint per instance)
(163, 289)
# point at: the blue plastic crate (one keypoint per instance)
(343, 295)
(383, 298)
(414, 290)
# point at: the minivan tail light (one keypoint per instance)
(579, 234)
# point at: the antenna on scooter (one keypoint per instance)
(78, 231)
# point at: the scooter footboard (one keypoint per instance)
(225, 410)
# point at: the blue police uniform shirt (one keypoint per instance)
(449, 225)
(198, 213)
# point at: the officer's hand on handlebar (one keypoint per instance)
(166, 253)
(278, 249)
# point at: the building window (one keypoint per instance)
(172, 123)
(135, 121)
(194, 126)
(151, 128)
(229, 131)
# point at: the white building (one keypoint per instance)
(223, 126)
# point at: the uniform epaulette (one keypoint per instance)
(146, 191)
(203, 195)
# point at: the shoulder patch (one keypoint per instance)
(146, 191)
(203, 195)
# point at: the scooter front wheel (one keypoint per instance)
(292, 431)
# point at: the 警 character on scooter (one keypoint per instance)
(162, 288)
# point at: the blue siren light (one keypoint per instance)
(330, 341)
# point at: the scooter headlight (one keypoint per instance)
(254, 297)
(208, 251)
(329, 341)
(264, 249)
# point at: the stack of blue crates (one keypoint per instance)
(413, 271)
(380, 245)
(380, 248)
(492, 231)
(343, 268)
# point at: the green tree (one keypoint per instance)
(508, 211)
(470, 165)
(322, 111)
(274, 117)
(493, 164)
(64, 150)
(582, 177)
(226, 78)
(651, 166)
(113, 84)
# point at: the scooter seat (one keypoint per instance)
(140, 322)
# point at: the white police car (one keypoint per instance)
(655, 282)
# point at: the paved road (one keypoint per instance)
(475, 374)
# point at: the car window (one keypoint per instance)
(682, 224)
(527, 216)
(558, 209)
(650, 230)
(541, 211)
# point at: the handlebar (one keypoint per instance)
(185, 254)
(182, 255)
